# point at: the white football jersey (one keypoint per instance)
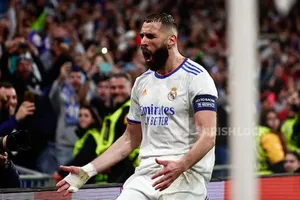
(165, 107)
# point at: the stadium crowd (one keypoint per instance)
(67, 68)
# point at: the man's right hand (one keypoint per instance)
(27, 108)
(77, 177)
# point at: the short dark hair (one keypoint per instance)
(97, 78)
(166, 20)
(6, 85)
(121, 75)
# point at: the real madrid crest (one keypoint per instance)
(172, 94)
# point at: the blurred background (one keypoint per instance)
(57, 58)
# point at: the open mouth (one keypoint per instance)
(147, 55)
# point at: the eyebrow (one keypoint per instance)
(154, 35)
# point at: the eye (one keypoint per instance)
(150, 36)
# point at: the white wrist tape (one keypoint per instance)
(76, 181)
(90, 170)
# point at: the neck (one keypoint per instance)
(174, 60)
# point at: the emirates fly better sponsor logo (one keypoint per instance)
(157, 115)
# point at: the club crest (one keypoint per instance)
(172, 94)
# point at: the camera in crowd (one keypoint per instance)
(15, 141)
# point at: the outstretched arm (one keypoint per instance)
(78, 176)
(129, 141)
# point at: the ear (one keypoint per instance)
(172, 41)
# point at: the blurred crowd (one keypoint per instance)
(67, 67)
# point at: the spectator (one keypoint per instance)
(65, 95)
(89, 141)
(291, 126)
(114, 125)
(102, 100)
(292, 162)
(270, 144)
(9, 105)
(17, 66)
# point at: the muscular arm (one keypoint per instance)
(78, 176)
(206, 126)
(129, 141)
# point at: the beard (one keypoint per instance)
(156, 60)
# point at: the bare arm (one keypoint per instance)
(78, 176)
(206, 126)
(129, 141)
(206, 122)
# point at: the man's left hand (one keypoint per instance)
(170, 172)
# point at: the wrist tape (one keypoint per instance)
(76, 181)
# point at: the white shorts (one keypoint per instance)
(190, 185)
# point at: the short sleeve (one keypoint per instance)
(203, 93)
(134, 111)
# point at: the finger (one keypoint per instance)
(29, 113)
(70, 169)
(161, 180)
(26, 110)
(63, 188)
(25, 103)
(29, 109)
(30, 104)
(32, 109)
(162, 162)
(60, 183)
(162, 186)
(66, 193)
(160, 173)
(165, 187)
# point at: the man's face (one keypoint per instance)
(75, 80)
(154, 45)
(11, 97)
(103, 90)
(24, 69)
(293, 103)
(119, 89)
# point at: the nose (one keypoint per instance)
(144, 41)
(117, 91)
